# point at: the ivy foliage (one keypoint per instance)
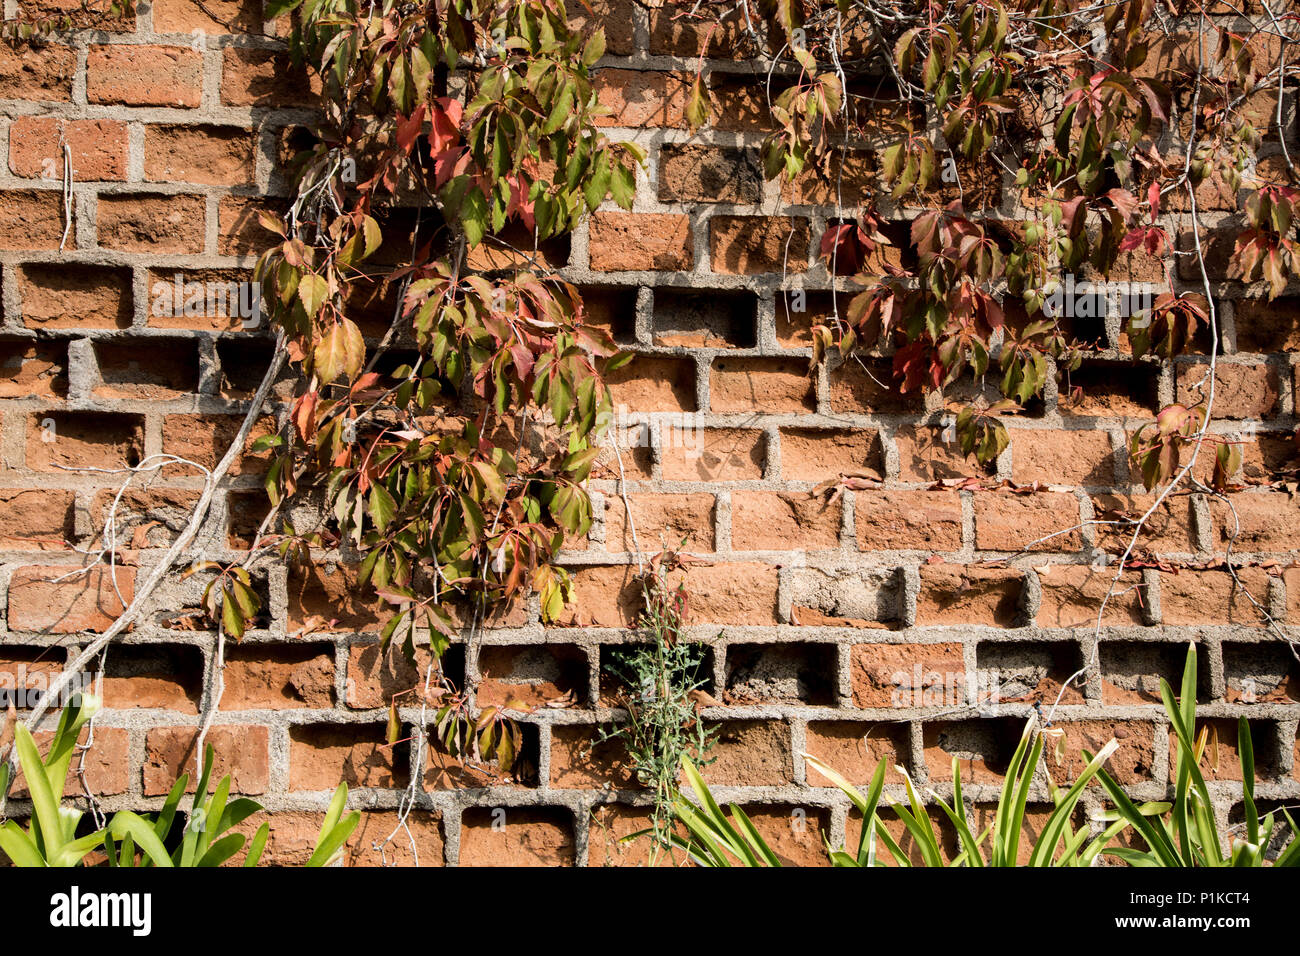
(1076, 103)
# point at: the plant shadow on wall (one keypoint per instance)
(1184, 832)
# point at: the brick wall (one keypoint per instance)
(812, 603)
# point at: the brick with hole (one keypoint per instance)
(151, 369)
(157, 677)
(907, 675)
(26, 672)
(152, 223)
(854, 749)
(1131, 671)
(1072, 595)
(712, 454)
(208, 300)
(91, 297)
(59, 441)
(690, 173)
(976, 596)
(1221, 759)
(660, 520)
(781, 674)
(279, 677)
(243, 751)
(122, 75)
(517, 836)
(925, 520)
(1211, 597)
(848, 597)
(322, 755)
(32, 219)
(1260, 674)
(762, 385)
(205, 439)
(750, 753)
(1081, 458)
(983, 749)
(33, 519)
(622, 241)
(41, 73)
(867, 388)
(98, 148)
(1109, 390)
(781, 521)
(1028, 672)
(1005, 522)
(32, 369)
(550, 675)
(754, 245)
(817, 455)
(654, 383)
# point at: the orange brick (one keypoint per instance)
(760, 385)
(98, 148)
(207, 155)
(668, 521)
(144, 76)
(713, 454)
(953, 594)
(242, 752)
(749, 245)
(775, 521)
(147, 223)
(908, 675)
(634, 241)
(928, 520)
(1005, 522)
(37, 73)
(1062, 457)
(517, 836)
(813, 455)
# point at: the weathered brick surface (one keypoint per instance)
(858, 585)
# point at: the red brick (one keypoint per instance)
(144, 76)
(98, 148)
(953, 594)
(924, 455)
(31, 219)
(908, 675)
(1072, 596)
(854, 750)
(209, 16)
(1240, 391)
(86, 602)
(517, 836)
(654, 383)
(37, 73)
(93, 297)
(761, 385)
(668, 521)
(750, 245)
(712, 454)
(1062, 457)
(149, 223)
(814, 455)
(207, 155)
(776, 521)
(242, 752)
(278, 678)
(265, 78)
(322, 756)
(634, 241)
(1006, 522)
(925, 520)
(1209, 597)
(34, 519)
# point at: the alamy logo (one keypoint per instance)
(75, 909)
(241, 300)
(1098, 299)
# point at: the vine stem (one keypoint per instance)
(164, 565)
